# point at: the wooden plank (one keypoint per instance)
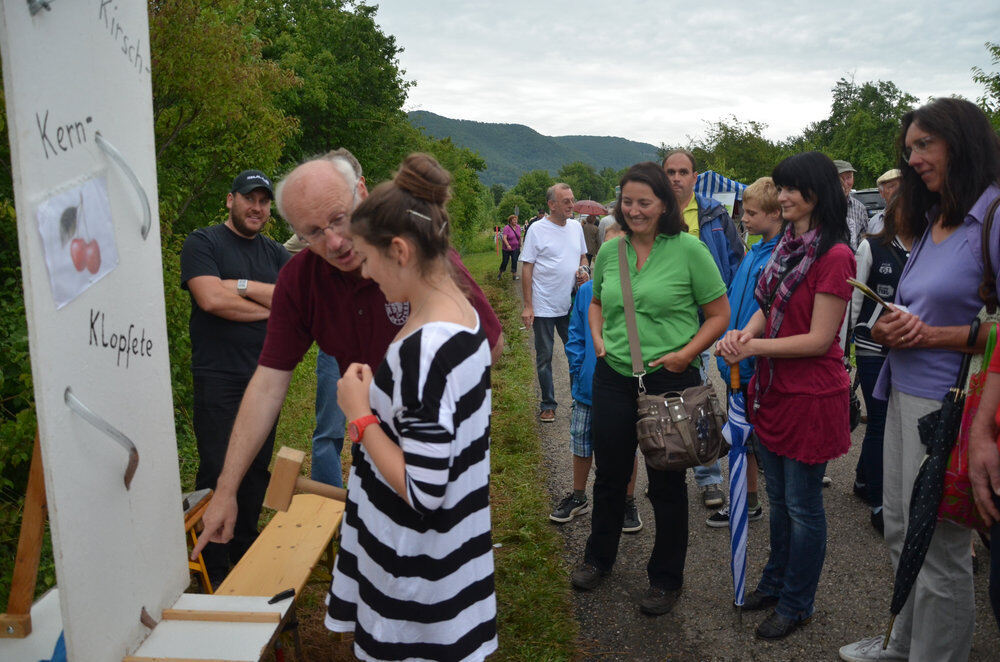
(221, 616)
(17, 621)
(288, 548)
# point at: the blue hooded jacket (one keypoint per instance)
(742, 304)
(717, 230)
(580, 349)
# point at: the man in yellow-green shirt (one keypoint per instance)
(708, 220)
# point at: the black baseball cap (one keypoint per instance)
(250, 180)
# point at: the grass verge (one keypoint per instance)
(536, 619)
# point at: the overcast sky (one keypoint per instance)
(656, 71)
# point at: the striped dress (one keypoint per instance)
(416, 582)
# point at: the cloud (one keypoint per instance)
(657, 71)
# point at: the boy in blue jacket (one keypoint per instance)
(582, 359)
(761, 215)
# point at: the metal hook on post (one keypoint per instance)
(86, 414)
(116, 156)
(35, 6)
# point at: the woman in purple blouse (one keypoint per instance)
(510, 235)
(950, 158)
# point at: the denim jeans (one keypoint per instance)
(614, 439)
(798, 532)
(328, 438)
(712, 474)
(869, 469)
(545, 328)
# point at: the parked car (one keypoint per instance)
(872, 200)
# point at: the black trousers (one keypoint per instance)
(512, 257)
(613, 421)
(216, 401)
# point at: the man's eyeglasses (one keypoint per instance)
(919, 146)
(317, 235)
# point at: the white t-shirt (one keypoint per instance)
(555, 251)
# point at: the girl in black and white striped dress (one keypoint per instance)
(414, 575)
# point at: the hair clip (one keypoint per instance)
(419, 215)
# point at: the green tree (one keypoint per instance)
(862, 127)
(586, 183)
(467, 208)
(508, 204)
(990, 80)
(352, 90)
(206, 65)
(532, 186)
(736, 149)
(497, 191)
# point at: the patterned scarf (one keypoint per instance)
(788, 266)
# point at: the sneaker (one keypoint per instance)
(870, 649)
(861, 490)
(585, 577)
(712, 497)
(827, 481)
(499, 275)
(547, 416)
(658, 601)
(632, 523)
(721, 519)
(569, 508)
(514, 277)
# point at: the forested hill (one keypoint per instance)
(513, 149)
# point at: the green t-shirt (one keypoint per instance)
(678, 277)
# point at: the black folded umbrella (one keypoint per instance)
(938, 432)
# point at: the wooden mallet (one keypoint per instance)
(286, 481)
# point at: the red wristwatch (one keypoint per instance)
(356, 428)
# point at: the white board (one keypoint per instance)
(71, 72)
(203, 640)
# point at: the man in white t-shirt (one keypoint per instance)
(553, 257)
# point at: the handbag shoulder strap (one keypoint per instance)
(635, 350)
(988, 288)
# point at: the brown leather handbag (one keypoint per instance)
(675, 430)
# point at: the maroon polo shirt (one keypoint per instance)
(345, 314)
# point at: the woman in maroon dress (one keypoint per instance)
(798, 399)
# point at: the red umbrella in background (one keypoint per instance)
(590, 208)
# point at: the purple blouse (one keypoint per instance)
(513, 235)
(940, 285)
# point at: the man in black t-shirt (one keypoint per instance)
(230, 270)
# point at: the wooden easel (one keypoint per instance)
(15, 623)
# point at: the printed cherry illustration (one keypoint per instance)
(77, 249)
(92, 256)
(84, 254)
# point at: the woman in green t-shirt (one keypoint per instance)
(673, 279)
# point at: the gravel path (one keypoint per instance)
(852, 601)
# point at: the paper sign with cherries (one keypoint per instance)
(77, 238)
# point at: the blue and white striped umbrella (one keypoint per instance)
(710, 182)
(736, 432)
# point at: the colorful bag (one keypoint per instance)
(957, 500)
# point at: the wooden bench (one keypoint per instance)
(288, 549)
